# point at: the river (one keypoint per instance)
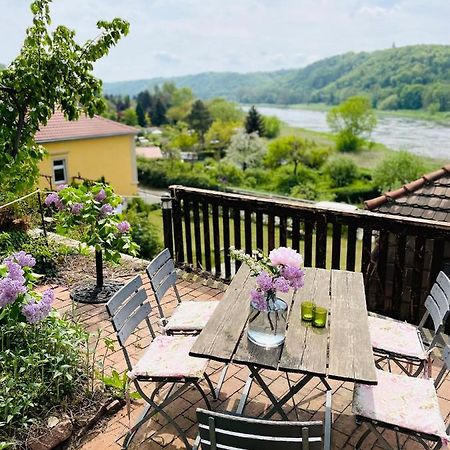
(425, 138)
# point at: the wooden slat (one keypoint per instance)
(120, 296)
(248, 231)
(197, 235)
(366, 251)
(219, 337)
(177, 229)
(305, 349)
(351, 248)
(187, 230)
(308, 243)
(237, 233)
(206, 238)
(399, 271)
(131, 324)
(321, 243)
(259, 231)
(132, 304)
(351, 355)
(216, 239)
(296, 234)
(226, 240)
(271, 232)
(283, 231)
(336, 246)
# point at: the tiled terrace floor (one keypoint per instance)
(158, 434)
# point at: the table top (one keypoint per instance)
(341, 351)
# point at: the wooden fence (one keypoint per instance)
(399, 257)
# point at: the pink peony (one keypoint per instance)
(285, 256)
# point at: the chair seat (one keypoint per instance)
(191, 316)
(395, 337)
(398, 400)
(168, 357)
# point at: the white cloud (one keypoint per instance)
(174, 37)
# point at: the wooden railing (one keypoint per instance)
(398, 256)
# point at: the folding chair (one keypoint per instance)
(165, 362)
(189, 317)
(404, 404)
(405, 344)
(227, 431)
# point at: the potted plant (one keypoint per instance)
(279, 272)
(92, 211)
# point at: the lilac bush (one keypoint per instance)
(18, 299)
(279, 272)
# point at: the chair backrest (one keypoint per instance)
(437, 305)
(226, 431)
(127, 308)
(162, 274)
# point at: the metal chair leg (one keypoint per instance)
(211, 386)
(362, 439)
(221, 380)
(202, 392)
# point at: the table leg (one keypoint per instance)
(276, 404)
(286, 397)
(244, 396)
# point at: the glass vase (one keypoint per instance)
(268, 328)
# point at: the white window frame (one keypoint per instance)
(59, 167)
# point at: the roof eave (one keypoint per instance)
(79, 138)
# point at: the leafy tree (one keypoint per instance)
(246, 150)
(130, 117)
(224, 110)
(411, 96)
(398, 169)
(352, 121)
(220, 133)
(342, 171)
(288, 150)
(52, 70)
(200, 119)
(272, 125)
(254, 122)
(158, 113)
(140, 115)
(185, 140)
(181, 104)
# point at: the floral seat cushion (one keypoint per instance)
(406, 402)
(168, 356)
(191, 316)
(399, 338)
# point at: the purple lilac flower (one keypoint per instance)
(294, 275)
(281, 284)
(123, 226)
(264, 281)
(15, 271)
(106, 209)
(61, 187)
(51, 199)
(22, 258)
(34, 311)
(76, 209)
(100, 196)
(258, 299)
(59, 204)
(9, 291)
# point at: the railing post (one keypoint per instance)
(166, 206)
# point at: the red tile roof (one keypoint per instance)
(60, 129)
(427, 198)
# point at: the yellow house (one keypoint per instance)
(91, 149)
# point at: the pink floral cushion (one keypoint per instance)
(403, 401)
(191, 316)
(168, 356)
(396, 337)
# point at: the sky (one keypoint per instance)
(180, 37)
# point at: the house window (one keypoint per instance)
(59, 171)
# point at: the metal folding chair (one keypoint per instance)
(189, 317)
(227, 431)
(407, 345)
(404, 404)
(165, 362)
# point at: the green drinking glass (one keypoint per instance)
(308, 311)
(320, 317)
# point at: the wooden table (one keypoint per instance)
(341, 351)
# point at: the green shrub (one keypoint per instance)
(283, 180)
(143, 232)
(40, 366)
(347, 142)
(356, 193)
(342, 171)
(316, 157)
(272, 126)
(398, 169)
